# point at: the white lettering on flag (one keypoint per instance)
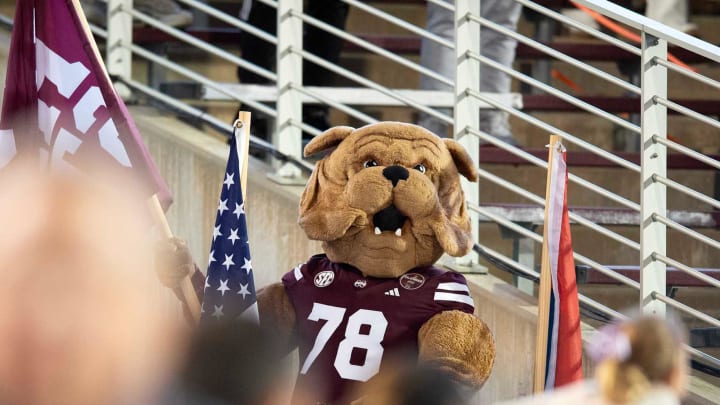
(67, 77)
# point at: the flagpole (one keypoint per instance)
(188, 291)
(541, 341)
(242, 128)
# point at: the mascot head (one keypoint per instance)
(387, 197)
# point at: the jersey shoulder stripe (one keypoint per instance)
(447, 296)
(297, 272)
(453, 287)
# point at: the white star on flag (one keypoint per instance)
(228, 262)
(229, 179)
(222, 206)
(223, 287)
(216, 232)
(244, 290)
(246, 266)
(218, 312)
(211, 259)
(239, 209)
(233, 235)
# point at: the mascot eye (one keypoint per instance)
(370, 163)
(420, 168)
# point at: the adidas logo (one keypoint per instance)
(393, 292)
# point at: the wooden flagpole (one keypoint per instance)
(541, 341)
(188, 291)
(243, 146)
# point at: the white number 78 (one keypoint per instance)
(371, 342)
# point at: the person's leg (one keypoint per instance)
(326, 46)
(256, 50)
(438, 58)
(670, 12)
(500, 48)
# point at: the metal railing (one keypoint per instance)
(290, 94)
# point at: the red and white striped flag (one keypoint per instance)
(60, 108)
(564, 354)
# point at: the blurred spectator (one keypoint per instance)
(235, 363)
(81, 316)
(167, 11)
(404, 383)
(494, 45)
(641, 361)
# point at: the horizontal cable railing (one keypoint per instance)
(555, 54)
(541, 202)
(686, 190)
(685, 111)
(557, 93)
(688, 73)
(190, 74)
(373, 48)
(538, 238)
(399, 22)
(579, 26)
(181, 35)
(233, 21)
(373, 85)
(653, 27)
(563, 134)
(221, 126)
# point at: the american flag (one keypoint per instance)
(229, 286)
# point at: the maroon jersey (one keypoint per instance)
(347, 323)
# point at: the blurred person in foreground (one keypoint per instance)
(640, 362)
(407, 383)
(80, 317)
(234, 363)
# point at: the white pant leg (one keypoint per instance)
(670, 12)
(494, 45)
(437, 58)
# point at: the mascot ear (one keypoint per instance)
(328, 139)
(462, 160)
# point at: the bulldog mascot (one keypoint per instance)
(386, 203)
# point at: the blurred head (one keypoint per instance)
(635, 355)
(235, 363)
(80, 320)
(408, 384)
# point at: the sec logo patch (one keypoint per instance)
(412, 281)
(324, 278)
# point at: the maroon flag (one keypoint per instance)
(59, 105)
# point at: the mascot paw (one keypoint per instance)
(460, 345)
(173, 261)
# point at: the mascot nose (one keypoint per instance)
(395, 174)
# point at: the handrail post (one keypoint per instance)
(467, 107)
(654, 162)
(119, 39)
(287, 137)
